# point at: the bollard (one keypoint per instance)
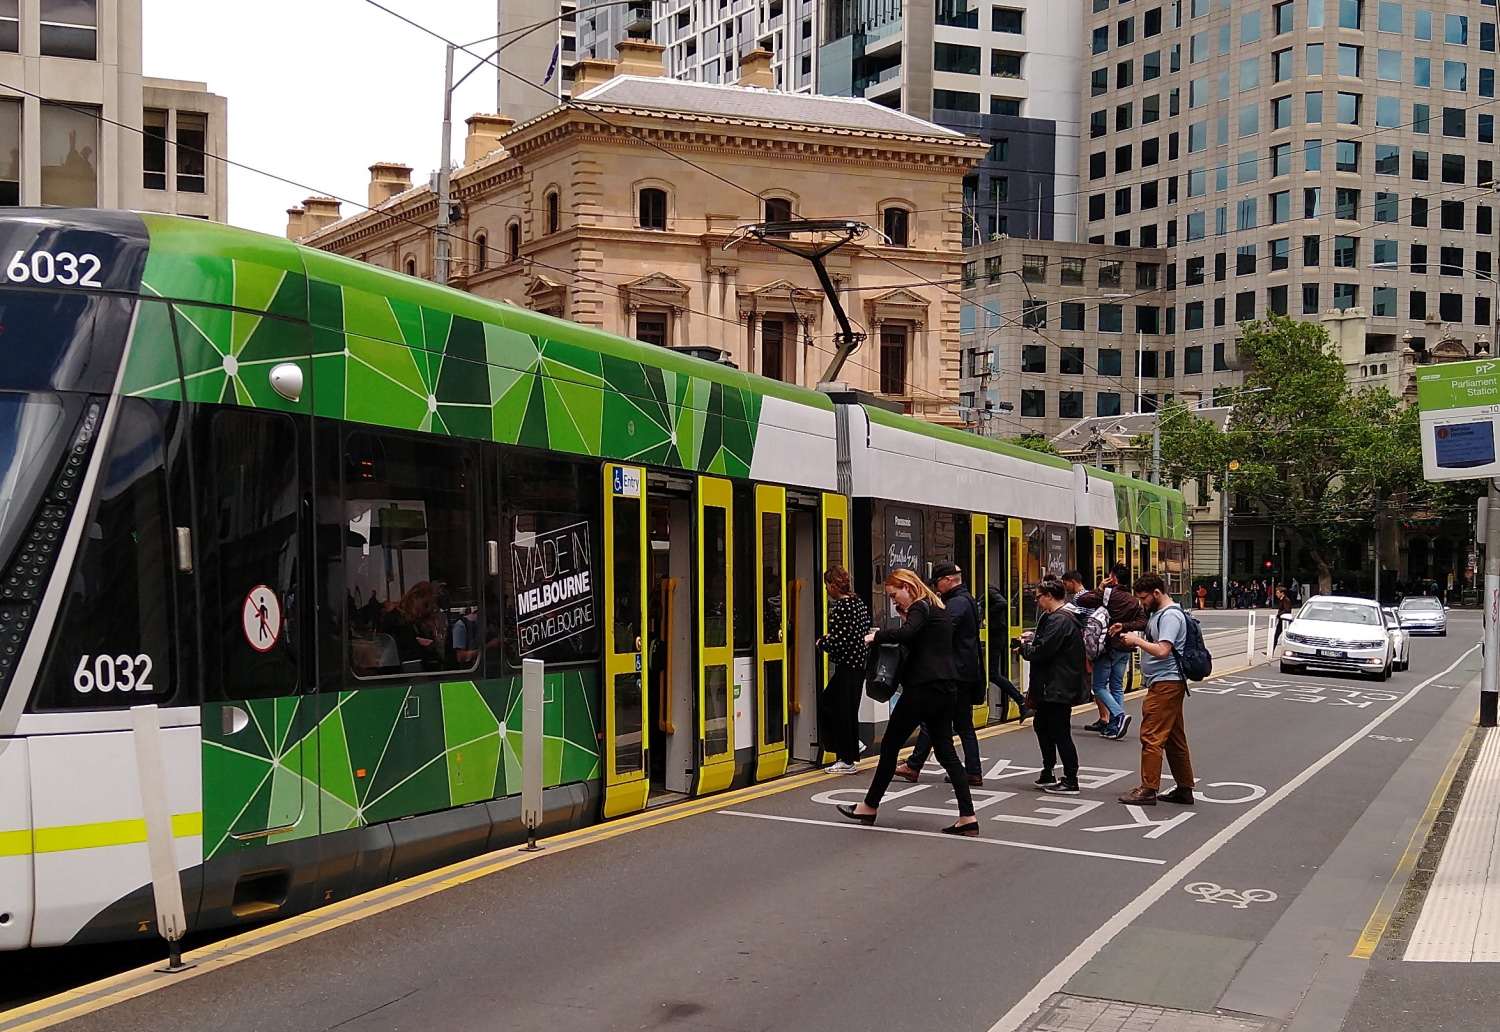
(532, 682)
(1271, 638)
(1250, 636)
(166, 882)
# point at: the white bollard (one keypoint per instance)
(1271, 638)
(532, 695)
(1250, 636)
(166, 883)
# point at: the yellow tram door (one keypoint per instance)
(625, 766)
(1014, 601)
(770, 640)
(713, 718)
(1101, 568)
(834, 551)
(978, 579)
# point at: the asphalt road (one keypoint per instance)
(777, 915)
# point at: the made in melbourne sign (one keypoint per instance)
(1460, 407)
(554, 584)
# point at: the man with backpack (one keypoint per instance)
(1170, 654)
(1110, 611)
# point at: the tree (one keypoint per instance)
(1032, 442)
(1326, 461)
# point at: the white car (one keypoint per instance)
(1400, 639)
(1334, 632)
(1424, 615)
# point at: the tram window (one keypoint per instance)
(253, 534)
(410, 553)
(627, 566)
(715, 577)
(113, 645)
(746, 583)
(835, 556)
(771, 583)
(552, 524)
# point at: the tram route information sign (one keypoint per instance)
(554, 586)
(1460, 407)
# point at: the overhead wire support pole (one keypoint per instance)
(444, 250)
(1489, 679)
(778, 235)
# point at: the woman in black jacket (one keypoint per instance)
(929, 682)
(838, 705)
(1055, 652)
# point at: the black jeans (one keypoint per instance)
(930, 704)
(963, 726)
(838, 714)
(1054, 733)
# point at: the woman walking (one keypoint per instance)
(838, 705)
(928, 683)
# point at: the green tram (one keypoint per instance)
(317, 513)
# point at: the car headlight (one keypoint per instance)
(1299, 639)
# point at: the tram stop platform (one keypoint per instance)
(1338, 871)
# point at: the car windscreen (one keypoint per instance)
(1340, 612)
(1414, 604)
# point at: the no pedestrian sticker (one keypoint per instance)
(262, 618)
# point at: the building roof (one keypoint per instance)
(1119, 432)
(750, 102)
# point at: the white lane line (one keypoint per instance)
(1460, 922)
(940, 835)
(1057, 978)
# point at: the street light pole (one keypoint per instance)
(1224, 505)
(444, 252)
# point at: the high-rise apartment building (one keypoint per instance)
(1331, 160)
(540, 40)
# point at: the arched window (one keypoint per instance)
(411, 266)
(513, 242)
(778, 209)
(897, 226)
(481, 252)
(554, 215)
(653, 208)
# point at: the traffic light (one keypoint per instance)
(1269, 565)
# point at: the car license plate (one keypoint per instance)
(1333, 653)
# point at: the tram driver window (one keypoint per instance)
(410, 555)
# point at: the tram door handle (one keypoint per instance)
(184, 538)
(235, 720)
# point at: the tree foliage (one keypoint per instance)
(1323, 459)
(1032, 442)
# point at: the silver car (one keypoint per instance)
(1424, 615)
(1400, 639)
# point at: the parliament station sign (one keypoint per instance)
(1460, 410)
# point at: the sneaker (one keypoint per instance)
(862, 748)
(1067, 786)
(842, 768)
(1124, 728)
(1045, 779)
(1098, 725)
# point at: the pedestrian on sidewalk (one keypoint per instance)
(1283, 608)
(999, 617)
(1055, 652)
(929, 682)
(838, 703)
(1112, 665)
(1162, 728)
(948, 582)
(1202, 596)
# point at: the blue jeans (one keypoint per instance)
(1109, 681)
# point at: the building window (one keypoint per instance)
(70, 28)
(773, 357)
(10, 146)
(953, 57)
(1111, 318)
(1033, 314)
(481, 252)
(1109, 361)
(154, 149)
(1451, 307)
(70, 153)
(778, 209)
(1310, 303)
(554, 211)
(1072, 315)
(1034, 268)
(513, 242)
(1345, 295)
(653, 208)
(1070, 404)
(411, 266)
(898, 225)
(893, 359)
(1034, 403)
(956, 100)
(10, 26)
(651, 328)
(192, 141)
(1107, 403)
(1003, 64)
(1003, 19)
(1033, 358)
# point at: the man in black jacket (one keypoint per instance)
(1056, 685)
(948, 581)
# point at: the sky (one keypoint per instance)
(319, 90)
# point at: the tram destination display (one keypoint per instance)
(554, 586)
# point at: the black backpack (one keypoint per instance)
(1194, 659)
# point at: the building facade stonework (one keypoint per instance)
(615, 210)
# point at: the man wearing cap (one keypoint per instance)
(948, 581)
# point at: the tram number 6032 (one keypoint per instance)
(113, 673)
(63, 268)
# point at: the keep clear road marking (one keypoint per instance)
(1057, 978)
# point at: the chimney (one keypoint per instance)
(590, 72)
(387, 179)
(637, 57)
(484, 135)
(755, 69)
(319, 212)
(296, 223)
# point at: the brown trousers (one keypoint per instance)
(1162, 730)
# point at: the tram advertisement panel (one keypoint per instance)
(554, 588)
(903, 538)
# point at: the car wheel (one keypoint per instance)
(1287, 668)
(1443, 633)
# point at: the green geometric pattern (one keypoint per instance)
(389, 350)
(323, 763)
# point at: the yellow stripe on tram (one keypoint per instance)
(107, 833)
(15, 843)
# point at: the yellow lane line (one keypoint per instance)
(127, 985)
(1380, 919)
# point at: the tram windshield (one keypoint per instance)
(33, 433)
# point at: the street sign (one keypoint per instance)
(1460, 408)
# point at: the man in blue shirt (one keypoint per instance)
(1162, 728)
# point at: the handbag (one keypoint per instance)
(883, 671)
